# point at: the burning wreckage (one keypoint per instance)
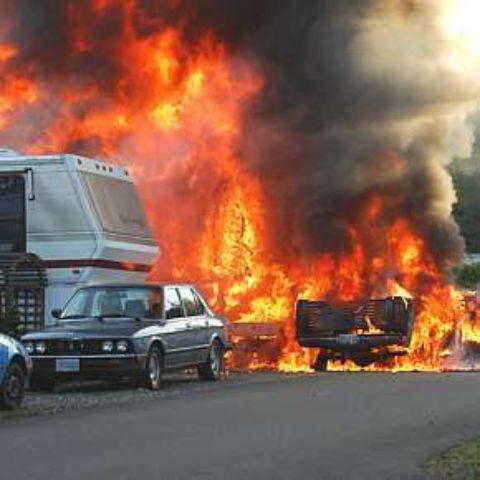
(364, 332)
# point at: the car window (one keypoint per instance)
(131, 303)
(115, 302)
(80, 302)
(190, 303)
(155, 301)
(200, 305)
(173, 306)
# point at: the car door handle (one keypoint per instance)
(188, 325)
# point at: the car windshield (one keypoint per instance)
(114, 302)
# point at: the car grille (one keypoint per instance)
(75, 347)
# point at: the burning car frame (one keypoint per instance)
(364, 332)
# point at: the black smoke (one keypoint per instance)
(331, 131)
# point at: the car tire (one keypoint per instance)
(13, 387)
(42, 384)
(213, 369)
(151, 377)
(320, 365)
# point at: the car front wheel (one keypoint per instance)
(212, 370)
(151, 377)
(13, 386)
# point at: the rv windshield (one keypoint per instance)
(118, 206)
(114, 302)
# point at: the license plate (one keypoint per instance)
(348, 339)
(67, 365)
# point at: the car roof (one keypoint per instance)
(137, 284)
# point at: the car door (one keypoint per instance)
(175, 334)
(197, 325)
(211, 323)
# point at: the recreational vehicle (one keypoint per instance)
(81, 217)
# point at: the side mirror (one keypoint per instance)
(57, 313)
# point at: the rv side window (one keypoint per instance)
(12, 214)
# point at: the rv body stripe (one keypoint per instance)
(97, 263)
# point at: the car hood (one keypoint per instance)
(90, 328)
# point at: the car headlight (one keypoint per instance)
(107, 346)
(122, 346)
(40, 347)
(29, 347)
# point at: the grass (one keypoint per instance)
(459, 463)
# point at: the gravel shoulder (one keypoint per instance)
(79, 396)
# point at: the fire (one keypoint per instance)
(16, 91)
(177, 108)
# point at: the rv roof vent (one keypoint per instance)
(8, 152)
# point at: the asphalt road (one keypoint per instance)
(326, 426)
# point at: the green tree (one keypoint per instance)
(466, 180)
(10, 318)
(468, 275)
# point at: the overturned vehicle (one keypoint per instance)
(364, 332)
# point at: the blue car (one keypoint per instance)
(15, 366)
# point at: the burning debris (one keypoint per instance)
(284, 149)
(366, 332)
